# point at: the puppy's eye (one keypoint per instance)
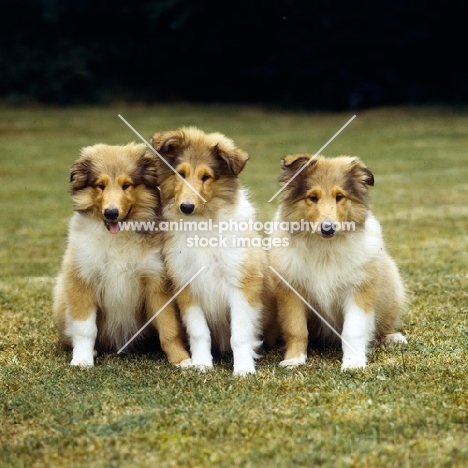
(339, 198)
(101, 186)
(205, 178)
(182, 174)
(313, 199)
(125, 186)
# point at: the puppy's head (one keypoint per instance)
(326, 192)
(198, 172)
(115, 183)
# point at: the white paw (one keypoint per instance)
(353, 363)
(202, 367)
(185, 363)
(201, 364)
(83, 356)
(243, 372)
(293, 362)
(82, 362)
(246, 366)
(395, 338)
(244, 363)
(201, 361)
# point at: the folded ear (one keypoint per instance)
(291, 164)
(295, 160)
(168, 144)
(234, 157)
(81, 174)
(361, 173)
(146, 171)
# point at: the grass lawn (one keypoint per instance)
(407, 409)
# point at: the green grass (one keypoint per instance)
(407, 409)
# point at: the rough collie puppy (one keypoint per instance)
(113, 280)
(339, 265)
(222, 306)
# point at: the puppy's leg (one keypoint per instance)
(270, 324)
(293, 321)
(79, 326)
(83, 334)
(167, 324)
(245, 324)
(358, 331)
(199, 337)
(391, 303)
(197, 330)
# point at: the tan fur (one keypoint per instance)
(119, 276)
(210, 164)
(293, 321)
(328, 270)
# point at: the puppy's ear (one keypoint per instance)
(292, 164)
(168, 144)
(146, 171)
(361, 173)
(235, 158)
(81, 174)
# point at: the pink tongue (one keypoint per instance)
(114, 228)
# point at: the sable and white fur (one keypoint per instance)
(222, 307)
(113, 280)
(346, 276)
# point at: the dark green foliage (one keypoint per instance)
(304, 54)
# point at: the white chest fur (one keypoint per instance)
(222, 260)
(113, 265)
(325, 271)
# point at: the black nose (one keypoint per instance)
(111, 214)
(327, 228)
(187, 208)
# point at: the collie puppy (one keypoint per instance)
(113, 280)
(200, 190)
(335, 261)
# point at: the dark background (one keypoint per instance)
(338, 54)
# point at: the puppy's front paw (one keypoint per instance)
(188, 363)
(293, 362)
(353, 363)
(83, 357)
(185, 363)
(243, 372)
(82, 362)
(202, 367)
(241, 369)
